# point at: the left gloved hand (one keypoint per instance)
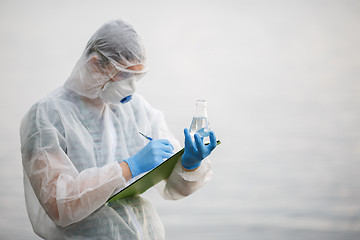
(196, 151)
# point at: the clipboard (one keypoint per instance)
(154, 176)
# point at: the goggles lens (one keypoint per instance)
(121, 73)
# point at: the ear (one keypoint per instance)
(95, 64)
(94, 60)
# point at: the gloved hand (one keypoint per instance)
(150, 156)
(196, 151)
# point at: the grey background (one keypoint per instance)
(282, 83)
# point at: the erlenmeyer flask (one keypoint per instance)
(200, 122)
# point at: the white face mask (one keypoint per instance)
(118, 92)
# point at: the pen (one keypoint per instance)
(146, 136)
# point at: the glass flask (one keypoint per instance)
(200, 122)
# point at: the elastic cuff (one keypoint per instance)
(192, 168)
(189, 170)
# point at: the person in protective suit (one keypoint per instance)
(81, 144)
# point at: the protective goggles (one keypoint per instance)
(121, 73)
(118, 72)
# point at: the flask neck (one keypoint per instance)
(200, 111)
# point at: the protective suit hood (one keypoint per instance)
(115, 45)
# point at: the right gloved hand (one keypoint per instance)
(150, 156)
(196, 151)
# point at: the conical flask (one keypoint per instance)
(200, 122)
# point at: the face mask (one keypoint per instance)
(118, 92)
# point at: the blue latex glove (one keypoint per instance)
(150, 156)
(196, 151)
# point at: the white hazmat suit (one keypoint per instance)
(72, 143)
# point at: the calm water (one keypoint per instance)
(282, 85)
